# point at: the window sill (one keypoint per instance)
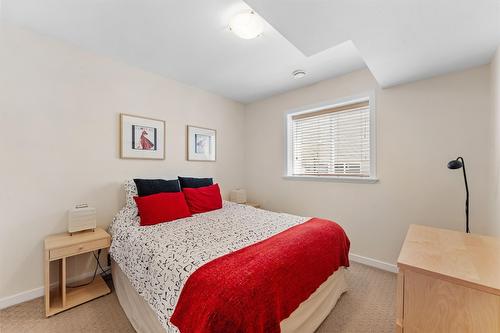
(339, 179)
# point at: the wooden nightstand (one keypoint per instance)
(58, 248)
(253, 204)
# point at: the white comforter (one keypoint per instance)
(158, 259)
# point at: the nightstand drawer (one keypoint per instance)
(79, 248)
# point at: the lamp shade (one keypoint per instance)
(238, 196)
(455, 164)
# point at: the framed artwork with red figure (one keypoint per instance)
(142, 138)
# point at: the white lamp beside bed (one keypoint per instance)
(238, 195)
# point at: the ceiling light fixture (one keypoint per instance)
(246, 25)
(298, 74)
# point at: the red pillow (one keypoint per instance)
(203, 199)
(162, 207)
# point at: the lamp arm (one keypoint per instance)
(467, 196)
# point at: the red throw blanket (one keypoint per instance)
(255, 288)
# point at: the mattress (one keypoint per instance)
(157, 260)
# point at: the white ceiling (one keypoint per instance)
(399, 40)
(185, 40)
(189, 41)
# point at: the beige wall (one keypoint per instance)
(495, 96)
(59, 110)
(420, 127)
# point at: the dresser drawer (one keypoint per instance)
(79, 248)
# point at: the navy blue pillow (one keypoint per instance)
(154, 186)
(189, 182)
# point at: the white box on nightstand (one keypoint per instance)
(82, 217)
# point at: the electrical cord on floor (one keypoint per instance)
(104, 272)
(97, 266)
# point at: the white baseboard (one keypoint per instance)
(21, 297)
(373, 263)
(39, 292)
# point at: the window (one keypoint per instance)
(332, 141)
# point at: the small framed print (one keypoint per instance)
(201, 144)
(142, 138)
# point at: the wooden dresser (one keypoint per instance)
(448, 281)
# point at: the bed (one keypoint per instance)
(150, 265)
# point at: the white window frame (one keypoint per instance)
(288, 165)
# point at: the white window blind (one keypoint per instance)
(331, 142)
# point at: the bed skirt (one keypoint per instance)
(306, 318)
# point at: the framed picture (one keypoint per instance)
(201, 144)
(142, 138)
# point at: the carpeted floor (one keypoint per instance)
(367, 307)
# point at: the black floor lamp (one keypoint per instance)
(457, 164)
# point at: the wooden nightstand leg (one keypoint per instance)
(62, 281)
(47, 282)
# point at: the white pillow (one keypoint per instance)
(130, 192)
